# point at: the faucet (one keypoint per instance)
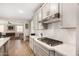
(41, 34)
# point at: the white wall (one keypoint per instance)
(77, 35)
(2, 28)
(3, 24)
(3, 21)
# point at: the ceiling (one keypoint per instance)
(18, 11)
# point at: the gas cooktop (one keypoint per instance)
(49, 41)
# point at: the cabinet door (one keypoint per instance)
(52, 53)
(58, 54)
(32, 26)
(40, 26)
(39, 14)
(46, 10)
(69, 14)
(53, 8)
(36, 21)
(31, 43)
(43, 51)
(2, 51)
(39, 50)
(36, 48)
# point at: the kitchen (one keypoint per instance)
(52, 30)
(54, 24)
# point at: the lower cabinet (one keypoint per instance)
(31, 43)
(40, 50)
(2, 51)
(58, 54)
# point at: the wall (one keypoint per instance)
(77, 33)
(3, 21)
(1, 28)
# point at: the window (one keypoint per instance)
(1, 28)
(19, 28)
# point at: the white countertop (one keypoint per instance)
(3, 41)
(65, 49)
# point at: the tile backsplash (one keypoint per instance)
(55, 32)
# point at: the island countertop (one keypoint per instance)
(3, 41)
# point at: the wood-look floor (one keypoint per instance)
(19, 48)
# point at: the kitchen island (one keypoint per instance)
(3, 45)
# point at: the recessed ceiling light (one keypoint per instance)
(21, 11)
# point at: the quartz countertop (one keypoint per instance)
(3, 41)
(66, 49)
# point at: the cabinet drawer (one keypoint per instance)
(43, 48)
(52, 53)
(43, 52)
(58, 54)
(31, 43)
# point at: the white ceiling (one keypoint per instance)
(18, 11)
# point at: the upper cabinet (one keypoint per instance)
(66, 13)
(49, 9)
(69, 15)
(32, 26)
(53, 8)
(50, 13)
(46, 10)
(36, 21)
(39, 14)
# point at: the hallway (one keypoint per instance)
(19, 48)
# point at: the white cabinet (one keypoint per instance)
(50, 13)
(69, 14)
(46, 10)
(36, 49)
(39, 13)
(36, 21)
(43, 51)
(32, 26)
(40, 50)
(58, 54)
(2, 51)
(31, 43)
(53, 8)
